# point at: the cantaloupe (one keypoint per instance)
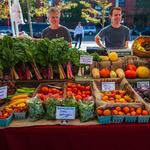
(143, 72)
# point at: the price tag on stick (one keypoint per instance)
(143, 84)
(86, 59)
(108, 86)
(65, 113)
(3, 92)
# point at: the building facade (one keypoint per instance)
(136, 12)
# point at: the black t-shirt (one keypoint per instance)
(58, 33)
(115, 37)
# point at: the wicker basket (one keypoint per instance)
(136, 51)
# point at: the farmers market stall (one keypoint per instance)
(70, 99)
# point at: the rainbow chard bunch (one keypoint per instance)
(58, 50)
(22, 67)
(30, 55)
(43, 57)
(9, 57)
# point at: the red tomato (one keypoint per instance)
(75, 90)
(84, 96)
(131, 67)
(87, 88)
(69, 89)
(78, 86)
(41, 96)
(88, 92)
(83, 92)
(130, 74)
(79, 93)
(78, 97)
(49, 90)
(61, 92)
(73, 86)
(44, 90)
(69, 84)
(82, 88)
(69, 93)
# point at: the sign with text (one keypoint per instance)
(108, 86)
(143, 84)
(3, 92)
(65, 113)
(86, 59)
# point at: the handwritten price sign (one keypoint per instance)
(108, 86)
(65, 113)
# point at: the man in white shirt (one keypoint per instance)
(78, 34)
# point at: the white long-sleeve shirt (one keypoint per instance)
(79, 30)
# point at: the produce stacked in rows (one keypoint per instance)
(40, 59)
(4, 114)
(103, 73)
(117, 96)
(79, 91)
(126, 110)
(46, 92)
(76, 95)
(17, 103)
(112, 56)
(132, 72)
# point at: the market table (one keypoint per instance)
(112, 136)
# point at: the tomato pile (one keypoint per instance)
(79, 91)
(48, 92)
(130, 71)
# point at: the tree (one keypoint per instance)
(91, 14)
(4, 10)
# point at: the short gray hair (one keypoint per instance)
(53, 10)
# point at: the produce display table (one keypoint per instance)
(113, 136)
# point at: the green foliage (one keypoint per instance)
(44, 52)
(88, 12)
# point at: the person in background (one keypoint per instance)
(55, 30)
(116, 35)
(78, 34)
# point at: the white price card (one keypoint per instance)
(143, 84)
(108, 86)
(65, 113)
(3, 92)
(86, 59)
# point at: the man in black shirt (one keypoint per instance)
(116, 35)
(55, 30)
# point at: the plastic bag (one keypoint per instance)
(35, 109)
(86, 110)
(50, 106)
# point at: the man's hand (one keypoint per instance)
(99, 42)
(97, 39)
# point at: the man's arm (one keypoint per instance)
(127, 38)
(70, 44)
(126, 44)
(98, 41)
